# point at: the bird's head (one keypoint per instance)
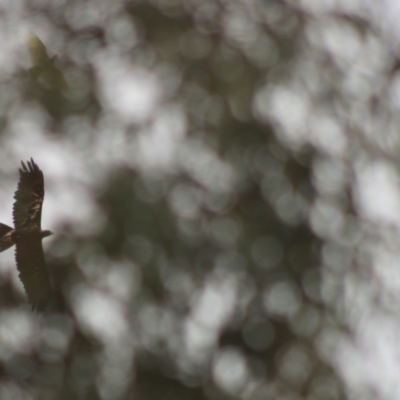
(46, 233)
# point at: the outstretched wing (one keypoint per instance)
(33, 273)
(37, 51)
(27, 209)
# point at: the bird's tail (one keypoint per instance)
(5, 240)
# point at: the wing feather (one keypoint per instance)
(27, 209)
(33, 273)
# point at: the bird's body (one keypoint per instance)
(24, 235)
(27, 236)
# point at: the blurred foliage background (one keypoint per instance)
(223, 180)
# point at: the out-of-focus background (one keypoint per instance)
(222, 178)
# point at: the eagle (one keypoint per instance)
(27, 236)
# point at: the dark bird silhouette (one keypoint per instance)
(27, 236)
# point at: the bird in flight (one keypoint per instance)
(44, 67)
(27, 236)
